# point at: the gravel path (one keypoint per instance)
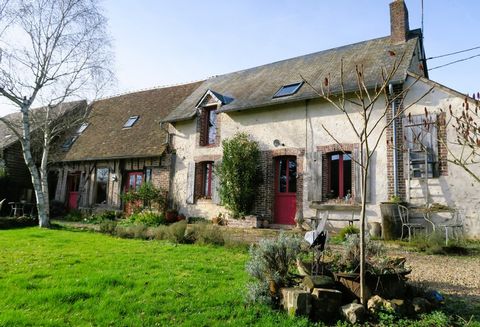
(455, 275)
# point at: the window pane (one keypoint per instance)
(207, 186)
(132, 120)
(212, 126)
(334, 176)
(102, 182)
(148, 175)
(288, 90)
(139, 181)
(347, 176)
(131, 182)
(292, 176)
(282, 178)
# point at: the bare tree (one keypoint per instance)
(464, 149)
(53, 51)
(368, 111)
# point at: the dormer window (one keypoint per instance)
(82, 128)
(287, 90)
(208, 132)
(131, 121)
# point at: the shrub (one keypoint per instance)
(176, 232)
(139, 231)
(269, 264)
(148, 218)
(16, 222)
(74, 215)
(159, 233)
(206, 234)
(239, 174)
(347, 230)
(147, 194)
(108, 227)
(123, 232)
(197, 220)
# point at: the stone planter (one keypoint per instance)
(391, 224)
(390, 285)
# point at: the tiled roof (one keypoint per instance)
(255, 87)
(105, 136)
(7, 137)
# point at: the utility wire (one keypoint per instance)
(454, 62)
(453, 53)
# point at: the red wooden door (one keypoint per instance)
(285, 190)
(133, 182)
(73, 186)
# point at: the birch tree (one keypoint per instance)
(52, 51)
(368, 111)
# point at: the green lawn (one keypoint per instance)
(58, 277)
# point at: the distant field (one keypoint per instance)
(57, 278)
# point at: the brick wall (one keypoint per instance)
(400, 148)
(264, 201)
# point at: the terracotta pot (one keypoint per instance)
(171, 216)
(181, 217)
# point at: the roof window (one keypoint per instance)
(69, 142)
(287, 90)
(82, 128)
(131, 121)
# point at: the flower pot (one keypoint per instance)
(171, 216)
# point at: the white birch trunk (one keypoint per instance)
(43, 219)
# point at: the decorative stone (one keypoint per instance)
(325, 303)
(322, 281)
(296, 302)
(420, 305)
(376, 303)
(353, 312)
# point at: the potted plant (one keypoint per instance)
(171, 215)
(385, 276)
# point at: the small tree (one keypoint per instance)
(239, 174)
(464, 149)
(359, 107)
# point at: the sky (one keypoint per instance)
(159, 42)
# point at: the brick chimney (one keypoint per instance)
(399, 21)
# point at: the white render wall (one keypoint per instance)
(457, 189)
(296, 125)
(301, 125)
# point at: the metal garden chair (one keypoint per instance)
(1, 204)
(455, 224)
(405, 218)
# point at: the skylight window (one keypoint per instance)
(82, 128)
(287, 90)
(131, 121)
(69, 142)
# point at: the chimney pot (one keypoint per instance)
(399, 21)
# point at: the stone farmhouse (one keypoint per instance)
(173, 137)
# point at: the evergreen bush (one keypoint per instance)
(239, 174)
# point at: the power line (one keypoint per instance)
(453, 53)
(454, 62)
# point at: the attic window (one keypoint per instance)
(69, 142)
(131, 121)
(82, 128)
(287, 90)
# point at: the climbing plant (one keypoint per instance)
(239, 174)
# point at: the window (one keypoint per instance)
(101, 185)
(339, 175)
(148, 175)
(69, 142)
(208, 131)
(287, 90)
(82, 128)
(420, 134)
(131, 121)
(204, 176)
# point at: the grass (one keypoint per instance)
(67, 277)
(58, 277)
